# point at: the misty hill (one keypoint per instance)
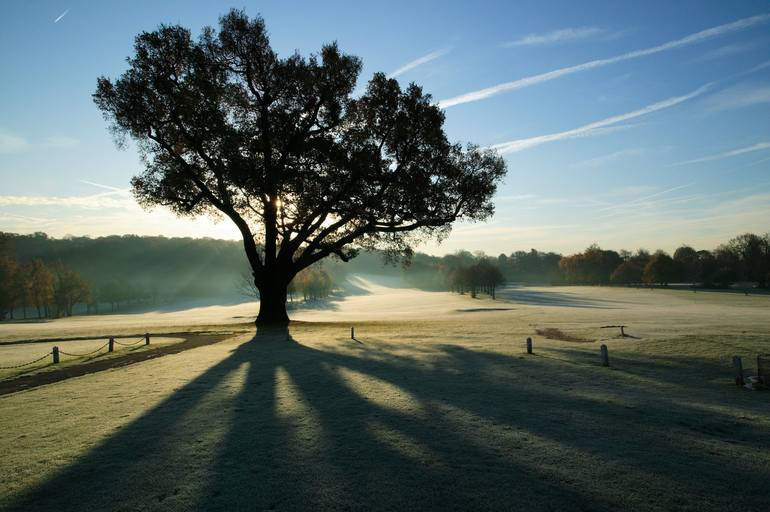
(168, 267)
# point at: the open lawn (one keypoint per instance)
(434, 405)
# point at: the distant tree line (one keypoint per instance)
(48, 291)
(47, 277)
(128, 270)
(479, 276)
(745, 258)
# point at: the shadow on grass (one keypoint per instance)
(531, 297)
(278, 425)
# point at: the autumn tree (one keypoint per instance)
(593, 266)
(660, 269)
(40, 285)
(627, 272)
(69, 289)
(279, 146)
(8, 286)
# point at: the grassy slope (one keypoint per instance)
(443, 413)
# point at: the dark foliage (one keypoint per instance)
(279, 146)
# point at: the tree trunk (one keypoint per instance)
(272, 302)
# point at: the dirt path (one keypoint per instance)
(32, 381)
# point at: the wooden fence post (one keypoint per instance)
(352, 333)
(738, 366)
(529, 345)
(605, 356)
(147, 338)
(55, 352)
(111, 346)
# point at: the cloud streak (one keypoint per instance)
(59, 17)
(601, 160)
(739, 96)
(112, 198)
(10, 143)
(555, 36)
(759, 146)
(596, 127)
(725, 51)
(419, 62)
(691, 39)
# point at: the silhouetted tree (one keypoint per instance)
(228, 127)
(627, 272)
(661, 269)
(728, 266)
(687, 261)
(489, 275)
(753, 254)
(531, 266)
(593, 266)
(706, 267)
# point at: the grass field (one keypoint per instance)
(71, 352)
(435, 405)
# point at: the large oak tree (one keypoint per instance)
(281, 147)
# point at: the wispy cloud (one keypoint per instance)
(61, 141)
(739, 96)
(691, 39)
(117, 200)
(759, 146)
(59, 17)
(725, 51)
(10, 143)
(515, 197)
(759, 66)
(609, 158)
(597, 126)
(419, 62)
(556, 36)
(646, 198)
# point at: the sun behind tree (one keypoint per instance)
(279, 146)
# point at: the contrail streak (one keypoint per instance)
(697, 37)
(58, 19)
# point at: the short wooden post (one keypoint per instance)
(147, 338)
(738, 366)
(111, 346)
(352, 333)
(605, 356)
(529, 345)
(55, 352)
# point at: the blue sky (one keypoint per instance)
(629, 124)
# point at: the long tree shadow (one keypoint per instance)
(281, 425)
(516, 294)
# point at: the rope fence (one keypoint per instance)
(56, 352)
(25, 364)
(131, 344)
(83, 355)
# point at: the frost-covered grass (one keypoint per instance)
(71, 352)
(442, 410)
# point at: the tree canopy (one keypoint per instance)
(282, 148)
